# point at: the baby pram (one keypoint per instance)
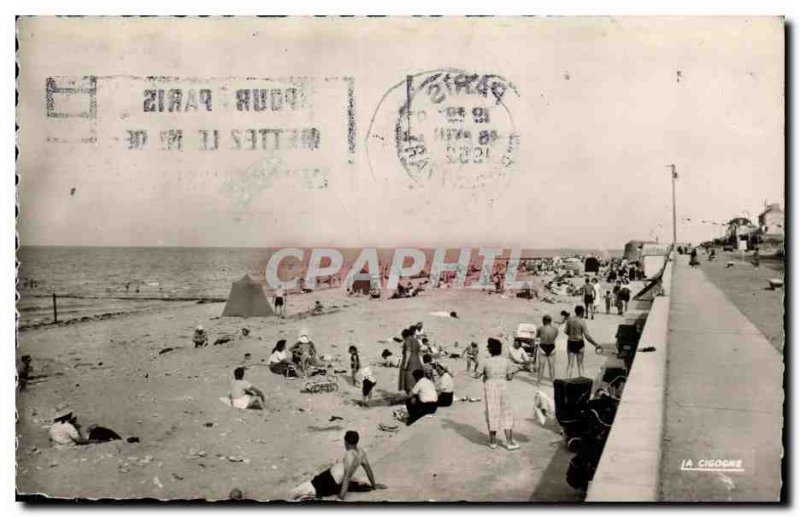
(571, 398)
(526, 334)
(598, 417)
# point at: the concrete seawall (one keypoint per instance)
(629, 467)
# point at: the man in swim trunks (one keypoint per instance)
(546, 339)
(576, 329)
(588, 298)
(280, 302)
(338, 480)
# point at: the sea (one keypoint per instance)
(91, 282)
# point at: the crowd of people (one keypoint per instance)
(427, 384)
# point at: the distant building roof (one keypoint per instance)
(772, 207)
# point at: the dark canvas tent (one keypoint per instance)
(591, 265)
(362, 283)
(247, 300)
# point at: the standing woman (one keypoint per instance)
(497, 371)
(411, 360)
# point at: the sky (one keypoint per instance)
(594, 112)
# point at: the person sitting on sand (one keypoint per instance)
(471, 353)
(423, 398)
(389, 360)
(520, 358)
(200, 338)
(304, 353)
(278, 361)
(444, 386)
(244, 395)
(338, 479)
(65, 431)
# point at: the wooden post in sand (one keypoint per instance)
(55, 309)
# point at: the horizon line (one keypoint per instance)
(156, 246)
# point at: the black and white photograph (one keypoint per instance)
(401, 259)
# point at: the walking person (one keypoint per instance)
(576, 330)
(496, 373)
(598, 294)
(588, 298)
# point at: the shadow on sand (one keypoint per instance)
(553, 484)
(476, 436)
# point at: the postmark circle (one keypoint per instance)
(448, 127)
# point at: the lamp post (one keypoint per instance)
(674, 216)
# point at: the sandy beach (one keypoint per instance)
(192, 445)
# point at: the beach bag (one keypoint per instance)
(99, 434)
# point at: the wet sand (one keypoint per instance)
(192, 446)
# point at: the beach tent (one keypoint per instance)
(247, 300)
(364, 282)
(361, 284)
(654, 256)
(591, 265)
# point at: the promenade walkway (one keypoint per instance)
(724, 399)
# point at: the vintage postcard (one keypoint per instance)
(406, 259)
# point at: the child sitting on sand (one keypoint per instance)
(244, 395)
(389, 360)
(200, 338)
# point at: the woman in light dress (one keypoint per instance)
(496, 372)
